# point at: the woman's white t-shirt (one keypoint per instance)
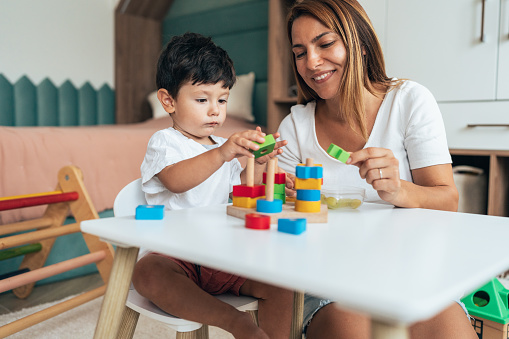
(409, 123)
(167, 147)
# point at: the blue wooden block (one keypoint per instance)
(308, 195)
(309, 172)
(264, 206)
(292, 226)
(149, 212)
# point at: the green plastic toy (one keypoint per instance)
(489, 302)
(338, 153)
(265, 148)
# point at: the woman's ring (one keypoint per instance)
(380, 170)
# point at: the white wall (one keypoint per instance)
(58, 39)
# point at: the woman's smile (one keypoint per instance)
(322, 77)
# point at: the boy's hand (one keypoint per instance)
(240, 144)
(277, 149)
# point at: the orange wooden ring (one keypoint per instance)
(257, 221)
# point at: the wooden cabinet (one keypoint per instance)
(503, 52)
(458, 49)
(496, 165)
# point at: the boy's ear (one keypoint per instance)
(166, 100)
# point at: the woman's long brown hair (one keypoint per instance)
(365, 66)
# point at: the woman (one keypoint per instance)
(392, 128)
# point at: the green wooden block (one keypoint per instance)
(280, 197)
(265, 148)
(278, 188)
(338, 153)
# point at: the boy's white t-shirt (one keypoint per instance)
(409, 123)
(167, 147)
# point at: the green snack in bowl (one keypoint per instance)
(343, 197)
(332, 202)
(342, 203)
(355, 203)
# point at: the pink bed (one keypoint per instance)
(109, 156)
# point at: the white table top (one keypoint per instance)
(399, 265)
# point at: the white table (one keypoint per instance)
(399, 265)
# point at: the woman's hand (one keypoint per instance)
(380, 169)
(290, 184)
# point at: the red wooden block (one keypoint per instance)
(279, 178)
(257, 221)
(248, 191)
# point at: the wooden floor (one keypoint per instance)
(49, 292)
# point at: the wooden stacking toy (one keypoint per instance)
(246, 195)
(288, 210)
(309, 178)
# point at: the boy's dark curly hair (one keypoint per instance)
(193, 57)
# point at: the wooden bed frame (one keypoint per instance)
(141, 30)
(137, 23)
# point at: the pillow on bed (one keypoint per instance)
(240, 101)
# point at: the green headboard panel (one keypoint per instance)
(240, 28)
(26, 104)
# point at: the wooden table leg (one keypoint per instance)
(116, 293)
(298, 315)
(382, 330)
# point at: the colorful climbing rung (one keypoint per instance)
(14, 273)
(22, 250)
(51, 270)
(30, 195)
(37, 200)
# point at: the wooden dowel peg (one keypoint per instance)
(269, 185)
(250, 172)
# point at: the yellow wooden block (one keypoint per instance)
(308, 184)
(313, 165)
(245, 202)
(307, 206)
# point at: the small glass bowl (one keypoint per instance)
(343, 197)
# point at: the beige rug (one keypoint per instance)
(79, 323)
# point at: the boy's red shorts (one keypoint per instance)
(210, 280)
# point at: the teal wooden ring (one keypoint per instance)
(264, 206)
